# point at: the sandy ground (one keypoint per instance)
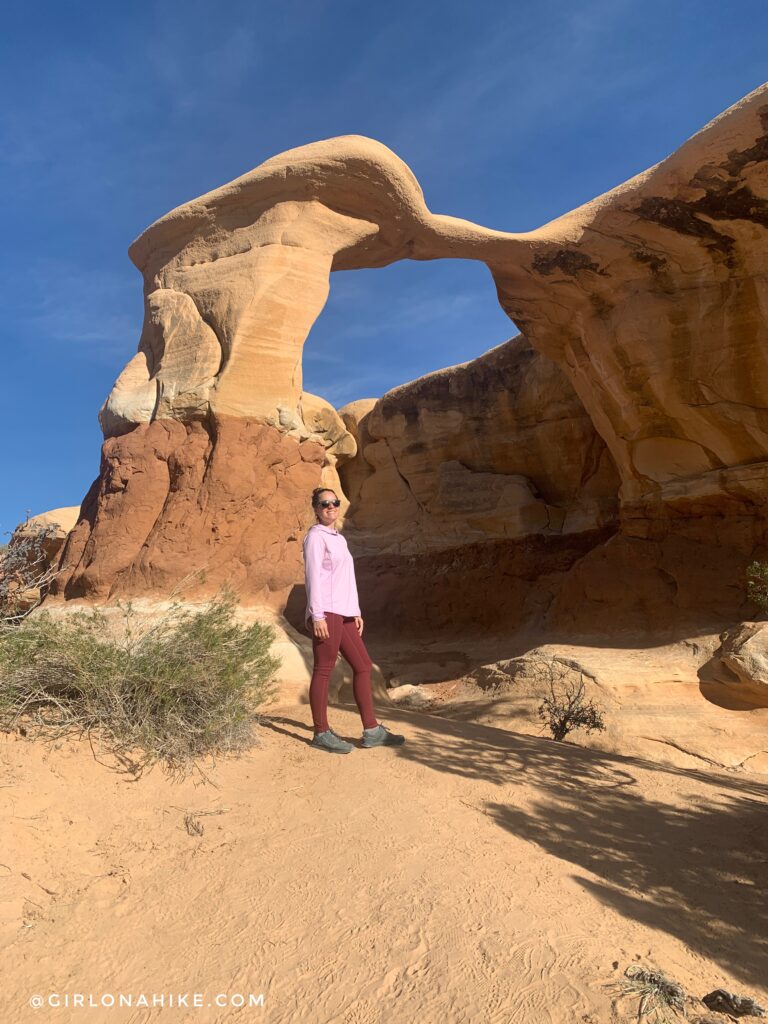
(475, 874)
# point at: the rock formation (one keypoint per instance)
(29, 561)
(55, 527)
(741, 662)
(493, 449)
(617, 472)
(486, 479)
(207, 501)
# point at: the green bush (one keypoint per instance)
(185, 685)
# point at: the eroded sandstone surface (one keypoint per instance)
(495, 448)
(174, 500)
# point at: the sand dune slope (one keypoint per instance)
(473, 875)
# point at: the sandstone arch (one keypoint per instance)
(651, 299)
(251, 261)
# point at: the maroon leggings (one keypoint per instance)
(342, 636)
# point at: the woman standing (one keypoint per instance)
(334, 612)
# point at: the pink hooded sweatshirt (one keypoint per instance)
(329, 571)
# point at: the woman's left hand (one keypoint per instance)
(359, 624)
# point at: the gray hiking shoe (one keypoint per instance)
(381, 737)
(328, 740)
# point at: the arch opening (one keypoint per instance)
(384, 327)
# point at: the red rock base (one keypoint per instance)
(229, 497)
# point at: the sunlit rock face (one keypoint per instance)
(653, 298)
(53, 527)
(608, 471)
(741, 662)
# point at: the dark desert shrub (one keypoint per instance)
(566, 708)
(182, 686)
(660, 997)
(25, 571)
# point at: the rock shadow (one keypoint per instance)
(696, 870)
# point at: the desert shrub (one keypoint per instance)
(757, 584)
(187, 684)
(25, 572)
(661, 999)
(566, 708)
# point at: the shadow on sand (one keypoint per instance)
(695, 867)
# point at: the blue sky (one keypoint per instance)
(509, 113)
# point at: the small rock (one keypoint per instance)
(411, 695)
(738, 1006)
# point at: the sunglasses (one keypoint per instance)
(328, 504)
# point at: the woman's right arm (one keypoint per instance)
(314, 573)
